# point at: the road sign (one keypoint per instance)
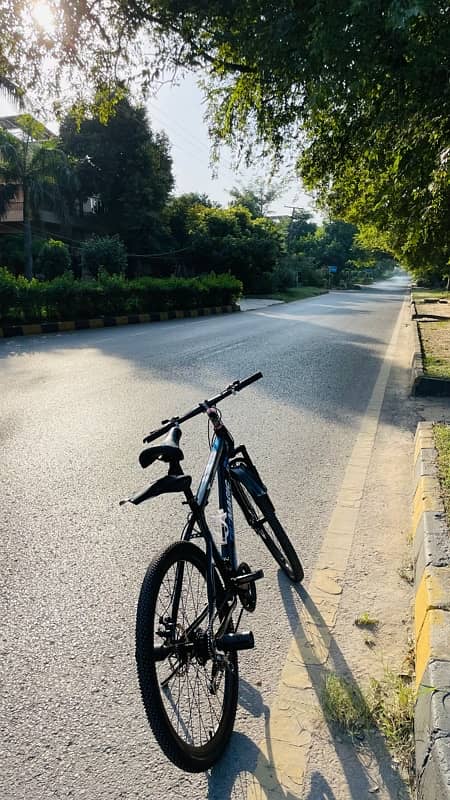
(332, 269)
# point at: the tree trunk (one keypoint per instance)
(28, 252)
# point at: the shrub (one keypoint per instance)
(66, 298)
(12, 251)
(105, 253)
(8, 292)
(284, 275)
(297, 268)
(54, 259)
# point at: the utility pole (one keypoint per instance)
(290, 229)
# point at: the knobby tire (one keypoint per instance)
(174, 737)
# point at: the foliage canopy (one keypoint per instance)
(360, 88)
(128, 167)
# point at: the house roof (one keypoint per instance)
(14, 126)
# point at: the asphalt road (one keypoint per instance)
(74, 408)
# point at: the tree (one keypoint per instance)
(229, 240)
(129, 168)
(298, 228)
(105, 253)
(38, 168)
(361, 88)
(53, 259)
(256, 196)
(178, 212)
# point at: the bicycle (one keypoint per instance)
(187, 642)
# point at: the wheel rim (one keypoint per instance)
(191, 684)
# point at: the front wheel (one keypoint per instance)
(259, 513)
(190, 696)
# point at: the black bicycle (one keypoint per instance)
(187, 641)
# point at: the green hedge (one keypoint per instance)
(65, 298)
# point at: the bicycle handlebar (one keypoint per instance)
(234, 387)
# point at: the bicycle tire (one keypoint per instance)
(189, 756)
(278, 544)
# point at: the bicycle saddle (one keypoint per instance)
(168, 451)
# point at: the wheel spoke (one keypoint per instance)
(193, 711)
(190, 699)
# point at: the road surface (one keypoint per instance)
(74, 408)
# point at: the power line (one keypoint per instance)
(182, 129)
(76, 243)
(187, 146)
(158, 255)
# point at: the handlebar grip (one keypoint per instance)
(251, 379)
(154, 435)
(173, 423)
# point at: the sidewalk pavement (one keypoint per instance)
(254, 303)
(360, 571)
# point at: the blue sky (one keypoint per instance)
(179, 111)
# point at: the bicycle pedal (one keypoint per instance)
(249, 577)
(230, 642)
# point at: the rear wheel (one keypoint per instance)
(259, 513)
(190, 696)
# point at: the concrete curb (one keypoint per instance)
(417, 370)
(422, 384)
(108, 322)
(432, 623)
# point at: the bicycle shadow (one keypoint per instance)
(236, 777)
(354, 756)
(233, 778)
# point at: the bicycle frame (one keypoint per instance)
(225, 559)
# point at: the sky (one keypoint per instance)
(179, 111)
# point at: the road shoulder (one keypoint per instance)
(359, 570)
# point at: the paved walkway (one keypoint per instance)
(253, 303)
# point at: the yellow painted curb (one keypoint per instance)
(434, 621)
(431, 594)
(426, 498)
(423, 441)
(98, 322)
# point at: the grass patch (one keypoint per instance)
(429, 294)
(442, 439)
(365, 620)
(437, 367)
(388, 706)
(435, 338)
(289, 295)
(391, 703)
(344, 704)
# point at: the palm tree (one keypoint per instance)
(35, 165)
